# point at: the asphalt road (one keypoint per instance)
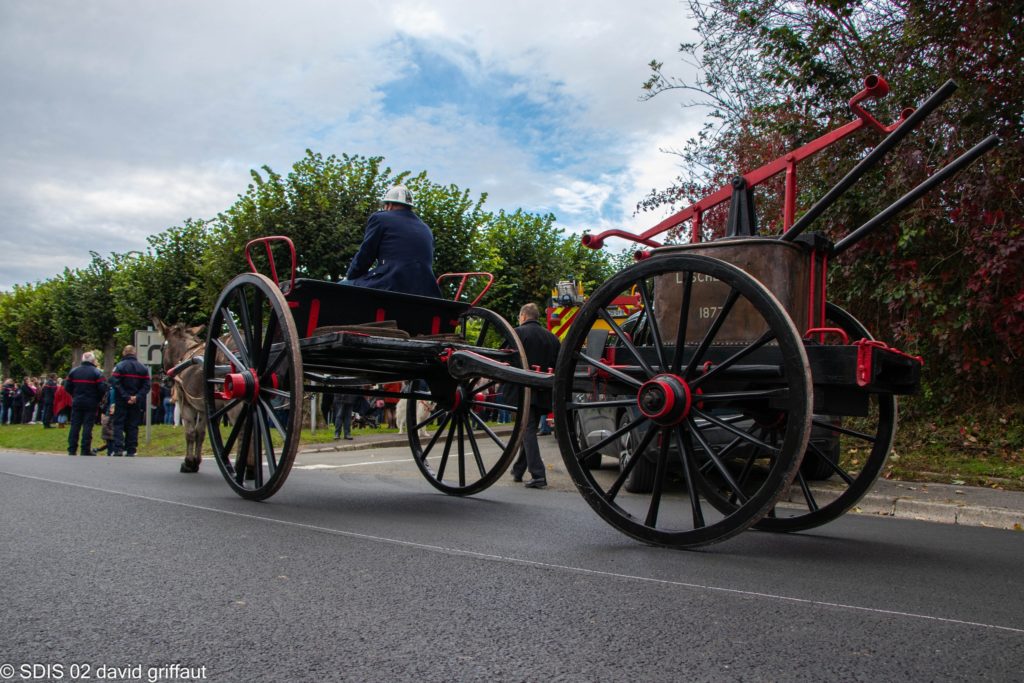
(365, 572)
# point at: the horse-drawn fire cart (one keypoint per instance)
(724, 400)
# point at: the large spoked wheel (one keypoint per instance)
(452, 443)
(683, 386)
(253, 376)
(848, 453)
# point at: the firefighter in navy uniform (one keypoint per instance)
(86, 386)
(131, 383)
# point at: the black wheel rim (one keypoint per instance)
(851, 450)
(684, 461)
(461, 453)
(253, 378)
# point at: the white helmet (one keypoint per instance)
(399, 194)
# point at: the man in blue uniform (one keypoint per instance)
(401, 245)
(86, 386)
(131, 386)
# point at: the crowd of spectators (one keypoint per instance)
(35, 400)
(346, 411)
(30, 401)
(51, 402)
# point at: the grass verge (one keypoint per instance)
(165, 440)
(975, 450)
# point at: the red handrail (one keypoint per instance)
(270, 257)
(463, 279)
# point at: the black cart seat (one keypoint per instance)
(318, 303)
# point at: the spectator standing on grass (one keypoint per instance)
(49, 393)
(342, 409)
(17, 404)
(107, 422)
(176, 400)
(131, 383)
(168, 403)
(86, 386)
(28, 399)
(156, 415)
(506, 396)
(62, 406)
(391, 404)
(7, 392)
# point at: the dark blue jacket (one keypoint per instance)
(86, 386)
(403, 248)
(130, 378)
(48, 392)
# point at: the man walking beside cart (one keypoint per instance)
(541, 352)
(131, 383)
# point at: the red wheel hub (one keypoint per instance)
(243, 386)
(665, 399)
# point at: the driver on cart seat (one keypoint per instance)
(402, 246)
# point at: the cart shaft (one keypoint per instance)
(463, 364)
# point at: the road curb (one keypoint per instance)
(942, 513)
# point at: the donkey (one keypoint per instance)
(182, 343)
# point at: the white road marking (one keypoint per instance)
(527, 563)
(351, 464)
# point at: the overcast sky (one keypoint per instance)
(119, 119)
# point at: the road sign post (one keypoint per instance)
(149, 346)
(149, 349)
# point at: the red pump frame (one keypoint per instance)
(874, 87)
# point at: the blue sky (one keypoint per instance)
(120, 119)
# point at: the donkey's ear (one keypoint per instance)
(160, 325)
(197, 330)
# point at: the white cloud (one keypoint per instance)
(120, 120)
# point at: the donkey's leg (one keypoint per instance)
(200, 436)
(191, 462)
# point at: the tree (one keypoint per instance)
(527, 255)
(777, 74)
(13, 307)
(166, 281)
(92, 303)
(44, 347)
(327, 203)
(323, 205)
(454, 217)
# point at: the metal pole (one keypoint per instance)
(312, 414)
(946, 172)
(880, 150)
(149, 407)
